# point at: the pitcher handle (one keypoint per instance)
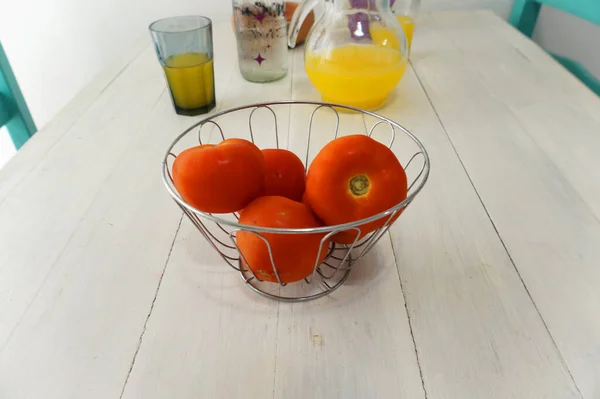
(298, 18)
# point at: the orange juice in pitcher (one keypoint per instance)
(406, 12)
(386, 36)
(356, 53)
(358, 75)
(408, 25)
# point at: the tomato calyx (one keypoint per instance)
(359, 185)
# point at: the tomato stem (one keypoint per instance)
(359, 185)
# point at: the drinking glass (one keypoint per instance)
(184, 47)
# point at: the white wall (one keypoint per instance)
(569, 36)
(57, 46)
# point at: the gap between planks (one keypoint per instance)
(162, 275)
(410, 326)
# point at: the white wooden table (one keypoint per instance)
(487, 287)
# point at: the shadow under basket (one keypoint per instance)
(298, 117)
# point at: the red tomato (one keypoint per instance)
(353, 178)
(294, 255)
(220, 178)
(284, 174)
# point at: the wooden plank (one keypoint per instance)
(82, 327)
(75, 297)
(559, 117)
(541, 200)
(64, 185)
(478, 335)
(209, 336)
(356, 342)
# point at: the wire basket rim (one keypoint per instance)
(311, 230)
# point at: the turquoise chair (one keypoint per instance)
(524, 16)
(14, 114)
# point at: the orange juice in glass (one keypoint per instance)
(191, 80)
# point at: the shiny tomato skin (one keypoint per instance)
(294, 255)
(284, 174)
(352, 178)
(220, 178)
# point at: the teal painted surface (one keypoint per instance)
(580, 72)
(14, 114)
(524, 16)
(6, 111)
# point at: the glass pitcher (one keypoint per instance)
(356, 53)
(406, 12)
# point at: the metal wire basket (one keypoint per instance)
(220, 230)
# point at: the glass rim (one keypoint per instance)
(207, 23)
